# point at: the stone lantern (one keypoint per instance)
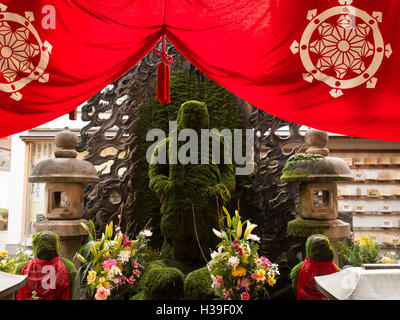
(65, 177)
(317, 174)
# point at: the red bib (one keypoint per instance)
(306, 289)
(48, 278)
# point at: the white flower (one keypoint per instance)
(233, 261)
(124, 256)
(106, 246)
(253, 237)
(214, 254)
(113, 272)
(220, 249)
(146, 233)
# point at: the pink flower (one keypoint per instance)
(102, 293)
(134, 263)
(109, 263)
(131, 280)
(266, 261)
(245, 283)
(218, 280)
(136, 272)
(245, 296)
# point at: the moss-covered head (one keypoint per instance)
(318, 248)
(193, 115)
(46, 245)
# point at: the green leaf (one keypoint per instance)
(93, 228)
(228, 217)
(84, 226)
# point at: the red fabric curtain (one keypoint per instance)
(328, 64)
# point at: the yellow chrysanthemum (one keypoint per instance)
(239, 272)
(133, 253)
(91, 278)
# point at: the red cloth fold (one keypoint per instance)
(48, 278)
(306, 289)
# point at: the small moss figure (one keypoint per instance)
(182, 187)
(197, 285)
(318, 262)
(49, 276)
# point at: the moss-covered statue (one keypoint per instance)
(179, 186)
(49, 276)
(319, 262)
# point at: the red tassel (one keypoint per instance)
(163, 74)
(163, 91)
(73, 115)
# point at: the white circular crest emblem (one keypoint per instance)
(342, 47)
(23, 56)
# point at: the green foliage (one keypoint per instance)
(162, 283)
(304, 228)
(318, 248)
(3, 212)
(46, 245)
(288, 174)
(10, 263)
(359, 250)
(223, 112)
(197, 285)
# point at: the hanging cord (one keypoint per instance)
(165, 57)
(197, 237)
(163, 73)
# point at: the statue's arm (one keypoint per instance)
(159, 172)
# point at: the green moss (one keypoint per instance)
(294, 174)
(197, 285)
(162, 283)
(180, 187)
(294, 275)
(304, 228)
(71, 270)
(288, 174)
(318, 248)
(194, 115)
(46, 245)
(224, 112)
(138, 296)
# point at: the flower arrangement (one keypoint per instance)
(361, 249)
(237, 271)
(9, 264)
(111, 266)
